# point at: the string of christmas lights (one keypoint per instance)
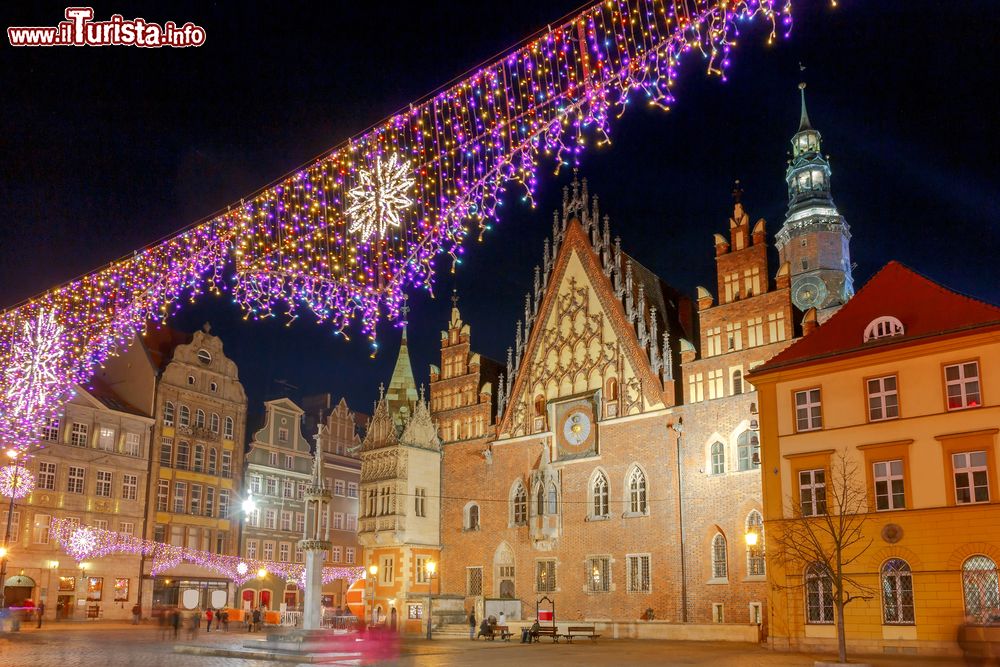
(344, 237)
(82, 542)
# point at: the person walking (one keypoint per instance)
(175, 621)
(208, 619)
(136, 610)
(257, 616)
(472, 626)
(41, 611)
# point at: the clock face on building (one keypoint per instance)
(810, 292)
(576, 428)
(576, 433)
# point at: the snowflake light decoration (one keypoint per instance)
(241, 569)
(33, 374)
(383, 193)
(82, 543)
(15, 481)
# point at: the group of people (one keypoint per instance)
(489, 627)
(173, 619)
(254, 619)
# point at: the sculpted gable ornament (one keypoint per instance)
(420, 430)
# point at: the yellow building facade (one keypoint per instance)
(904, 381)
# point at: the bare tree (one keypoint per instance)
(825, 536)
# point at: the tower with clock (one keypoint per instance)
(815, 238)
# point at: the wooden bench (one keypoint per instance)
(580, 631)
(547, 631)
(503, 631)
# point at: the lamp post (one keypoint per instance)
(431, 567)
(11, 454)
(373, 572)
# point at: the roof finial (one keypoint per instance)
(737, 192)
(404, 311)
(454, 297)
(804, 123)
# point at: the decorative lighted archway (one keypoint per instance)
(345, 236)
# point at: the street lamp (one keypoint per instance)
(12, 454)
(373, 571)
(751, 538)
(431, 567)
(249, 505)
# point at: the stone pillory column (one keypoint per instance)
(314, 542)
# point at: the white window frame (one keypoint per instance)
(808, 410)
(962, 465)
(883, 474)
(883, 400)
(817, 500)
(967, 385)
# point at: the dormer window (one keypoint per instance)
(883, 327)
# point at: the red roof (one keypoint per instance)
(925, 309)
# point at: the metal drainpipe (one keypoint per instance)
(678, 429)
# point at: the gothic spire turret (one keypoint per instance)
(815, 238)
(804, 123)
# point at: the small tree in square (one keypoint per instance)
(824, 537)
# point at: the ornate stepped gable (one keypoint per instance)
(595, 315)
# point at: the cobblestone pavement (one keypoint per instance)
(112, 645)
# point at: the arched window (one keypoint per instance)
(199, 418)
(819, 595)
(897, 592)
(519, 502)
(213, 460)
(637, 491)
(214, 423)
(755, 544)
(600, 495)
(552, 506)
(472, 517)
(185, 418)
(720, 559)
(540, 500)
(183, 455)
(199, 458)
(228, 432)
(168, 414)
(718, 458)
(748, 450)
(981, 588)
(737, 382)
(539, 405)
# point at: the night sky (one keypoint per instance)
(105, 150)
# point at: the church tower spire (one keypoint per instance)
(815, 238)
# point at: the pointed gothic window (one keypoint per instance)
(637, 491)
(720, 560)
(472, 517)
(519, 502)
(755, 544)
(552, 506)
(539, 405)
(748, 450)
(540, 500)
(718, 458)
(600, 495)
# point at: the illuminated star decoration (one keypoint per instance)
(82, 543)
(15, 481)
(34, 366)
(383, 193)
